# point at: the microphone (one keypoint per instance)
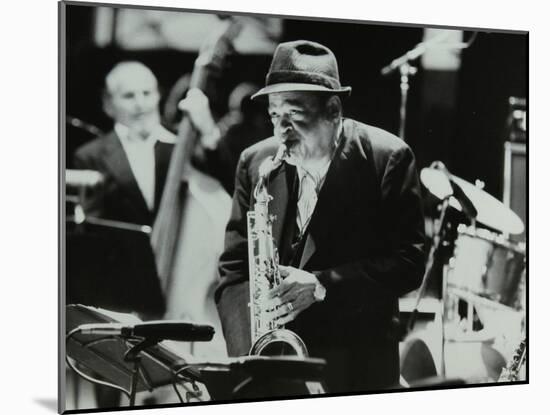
(418, 51)
(409, 56)
(156, 330)
(465, 203)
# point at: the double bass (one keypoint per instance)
(187, 235)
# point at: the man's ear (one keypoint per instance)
(107, 105)
(334, 108)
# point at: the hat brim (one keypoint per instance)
(297, 87)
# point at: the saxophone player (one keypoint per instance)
(348, 225)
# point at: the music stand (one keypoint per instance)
(143, 365)
(110, 264)
(257, 377)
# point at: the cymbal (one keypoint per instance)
(490, 211)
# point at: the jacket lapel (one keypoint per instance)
(279, 187)
(162, 163)
(117, 163)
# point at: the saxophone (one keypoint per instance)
(511, 372)
(268, 337)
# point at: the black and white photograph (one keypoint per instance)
(259, 207)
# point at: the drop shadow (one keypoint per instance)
(48, 403)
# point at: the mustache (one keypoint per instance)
(288, 136)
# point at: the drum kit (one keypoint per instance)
(483, 279)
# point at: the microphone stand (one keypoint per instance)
(406, 70)
(439, 239)
(403, 63)
(133, 356)
(438, 242)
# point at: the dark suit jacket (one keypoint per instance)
(114, 268)
(122, 199)
(365, 244)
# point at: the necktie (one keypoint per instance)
(307, 199)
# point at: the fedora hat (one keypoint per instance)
(302, 65)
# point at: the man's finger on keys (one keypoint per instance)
(274, 292)
(286, 318)
(273, 302)
(278, 312)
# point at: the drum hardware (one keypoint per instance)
(481, 283)
(438, 241)
(490, 211)
(488, 341)
(489, 313)
(450, 190)
(487, 264)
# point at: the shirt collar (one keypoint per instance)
(159, 133)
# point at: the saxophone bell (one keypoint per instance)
(279, 342)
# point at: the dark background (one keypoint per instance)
(457, 117)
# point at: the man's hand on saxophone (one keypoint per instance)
(298, 290)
